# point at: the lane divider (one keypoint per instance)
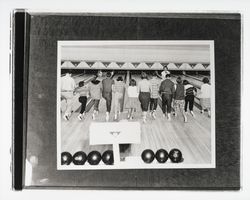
(126, 80)
(193, 77)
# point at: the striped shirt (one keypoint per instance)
(154, 84)
(190, 90)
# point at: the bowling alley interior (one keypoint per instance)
(151, 141)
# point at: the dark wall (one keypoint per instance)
(46, 30)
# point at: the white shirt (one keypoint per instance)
(144, 86)
(67, 83)
(132, 91)
(164, 73)
(205, 91)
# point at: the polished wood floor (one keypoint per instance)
(192, 138)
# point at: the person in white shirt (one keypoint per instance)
(164, 72)
(68, 86)
(132, 98)
(99, 75)
(205, 96)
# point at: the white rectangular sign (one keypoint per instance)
(113, 132)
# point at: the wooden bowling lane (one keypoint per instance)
(84, 77)
(75, 133)
(193, 80)
(199, 76)
(196, 83)
(192, 138)
(196, 77)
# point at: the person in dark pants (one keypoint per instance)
(107, 93)
(166, 91)
(190, 92)
(144, 94)
(95, 90)
(154, 84)
(83, 91)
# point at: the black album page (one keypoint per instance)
(127, 100)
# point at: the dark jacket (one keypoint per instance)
(179, 92)
(167, 87)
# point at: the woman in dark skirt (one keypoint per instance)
(144, 94)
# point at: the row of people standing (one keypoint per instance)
(97, 89)
(181, 95)
(147, 92)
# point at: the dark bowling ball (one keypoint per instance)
(79, 158)
(148, 156)
(108, 157)
(175, 156)
(66, 158)
(94, 157)
(161, 155)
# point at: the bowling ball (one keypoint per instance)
(94, 157)
(108, 157)
(148, 156)
(66, 158)
(175, 156)
(161, 155)
(79, 158)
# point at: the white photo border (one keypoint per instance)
(142, 165)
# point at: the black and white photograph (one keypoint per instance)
(135, 104)
(126, 101)
(129, 100)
